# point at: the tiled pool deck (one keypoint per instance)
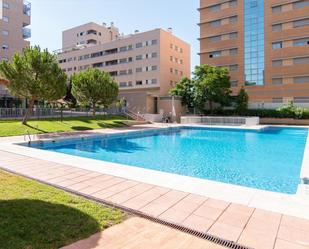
(249, 226)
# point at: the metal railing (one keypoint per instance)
(40, 113)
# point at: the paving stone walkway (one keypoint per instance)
(248, 226)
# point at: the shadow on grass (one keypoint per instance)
(35, 224)
(81, 128)
(112, 125)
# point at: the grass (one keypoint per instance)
(37, 216)
(15, 127)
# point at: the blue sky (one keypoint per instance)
(51, 17)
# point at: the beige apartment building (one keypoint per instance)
(265, 44)
(146, 65)
(14, 19)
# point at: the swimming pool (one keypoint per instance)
(268, 159)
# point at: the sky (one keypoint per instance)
(51, 17)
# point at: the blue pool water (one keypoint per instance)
(269, 159)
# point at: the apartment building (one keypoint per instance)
(265, 45)
(14, 19)
(146, 65)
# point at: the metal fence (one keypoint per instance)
(41, 113)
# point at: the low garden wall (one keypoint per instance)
(216, 120)
(284, 121)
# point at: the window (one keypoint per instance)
(233, 67)
(171, 46)
(277, 81)
(276, 9)
(233, 51)
(301, 23)
(123, 49)
(233, 35)
(122, 72)
(122, 61)
(171, 70)
(154, 42)
(139, 57)
(301, 4)
(130, 59)
(70, 59)
(302, 60)
(181, 50)
(215, 8)
(171, 58)
(5, 32)
(139, 82)
(5, 19)
(277, 27)
(301, 79)
(277, 63)
(277, 45)
(215, 54)
(139, 45)
(154, 55)
(233, 19)
(154, 81)
(277, 100)
(301, 42)
(154, 68)
(215, 38)
(301, 99)
(214, 24)
(181, 61)
(139, 69)
(233, 3)
(123, 84)
(234, 83)
(6, 5)
(130, 47)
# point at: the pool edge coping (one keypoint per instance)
(218, 190)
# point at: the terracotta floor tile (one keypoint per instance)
(208, 212)
(216, 203)
(295, 222)
(234, 216)
(283, 244)
(198, 223)
(294, 235)
(257, 239)
(77, 186)
(225, 231)
(174, 215)
(145, 198)
(264, 222)
(130, 193)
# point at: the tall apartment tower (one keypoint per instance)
(14, 19)
(265, 45)
(146, 65)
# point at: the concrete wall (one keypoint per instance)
(166, 104)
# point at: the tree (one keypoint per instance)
(94, 87)
(185, 89)
(35, 75)
(242, 99)
(212, 85)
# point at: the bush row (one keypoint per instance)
(286, 111)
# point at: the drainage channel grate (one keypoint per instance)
(202, 235)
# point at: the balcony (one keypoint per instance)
(27, 8)
(26, 33)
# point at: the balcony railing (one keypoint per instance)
(27, 8)
(26, 33)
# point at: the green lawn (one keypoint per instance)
(15, 127)
(37, 216)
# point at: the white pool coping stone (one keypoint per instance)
(295, 205)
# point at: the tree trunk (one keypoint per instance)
(61, 114)
(210, 106)
(29, 111)
(93, 110)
